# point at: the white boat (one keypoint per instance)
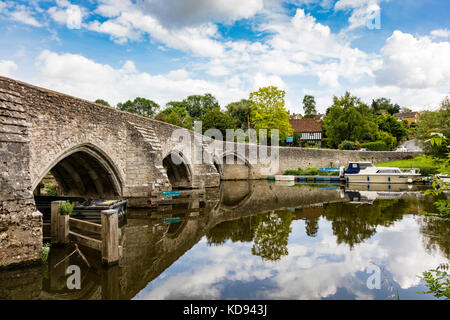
(366, 172)
(284, 178)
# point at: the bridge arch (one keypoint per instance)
(232, 166)
(84, 170)
(178, 169)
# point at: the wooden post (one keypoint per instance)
(110, 236)
(111, 283)
(59, 225)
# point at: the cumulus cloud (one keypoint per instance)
(79, 76)
(23, 14)
(440, 33)
(410, 62)
(362, 11)
(314, 270)
(7, 68)
(67, 13)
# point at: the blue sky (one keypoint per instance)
(167, 50)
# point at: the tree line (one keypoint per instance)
(348, 124)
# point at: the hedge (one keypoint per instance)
(376, 146)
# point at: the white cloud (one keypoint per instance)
(362, 11)
(7, 68)
(410, 62)
(82, 77)
(68, 14)
(24, 15)
(415, 99)
(440, 33)
(311, 271)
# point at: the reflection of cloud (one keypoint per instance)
(314, 269)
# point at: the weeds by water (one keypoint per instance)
(437, 281)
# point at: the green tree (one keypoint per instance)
(240, 112)
(349, 119)
(141, 106)
(175, 115)
(393, 127)
(103, 102)
(435, 122)
(197, 105)
(309, 106)
(268, 112)
(384, 105)
(216, 119)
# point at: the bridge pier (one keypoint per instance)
(20, 224)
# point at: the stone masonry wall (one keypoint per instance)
(20, 225)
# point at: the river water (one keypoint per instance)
(260, 240)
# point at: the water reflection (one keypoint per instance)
(257, 240)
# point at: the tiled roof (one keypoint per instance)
(306, 125)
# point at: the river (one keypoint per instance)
(260, 240)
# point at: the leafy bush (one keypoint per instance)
(45, 251)
(376, 146)
(50, 190)
(348, 145)
(428, 171)
(66, 208)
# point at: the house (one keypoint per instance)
(319, 117)
(411, 117)
(296, 116)
(310, 130)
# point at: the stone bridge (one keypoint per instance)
(97, 151)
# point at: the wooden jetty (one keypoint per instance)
(103, 237)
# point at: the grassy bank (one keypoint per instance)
(427, 165)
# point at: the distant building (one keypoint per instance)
(296, 116)
(319, 117)
(310, 130)
(411, 117)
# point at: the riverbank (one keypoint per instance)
(427, 165)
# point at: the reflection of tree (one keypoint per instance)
(269, 232)
(271, 237)
(353, 224)
(242, 229)
(312, 227)
(436, 235)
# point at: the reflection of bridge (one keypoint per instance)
(97, 151)
(150, 246)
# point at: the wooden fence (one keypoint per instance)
(108, 230)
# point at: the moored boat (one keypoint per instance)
(366, 172)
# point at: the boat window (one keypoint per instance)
(365, 165)
(354, 165)
(388, 171)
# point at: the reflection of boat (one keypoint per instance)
(370, 196)
(368, 193)
(285, 183)
(366, 172)
(384, 187)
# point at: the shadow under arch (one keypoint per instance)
(233, 167)
(235, 194)
(84, 170)
(178, 169)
